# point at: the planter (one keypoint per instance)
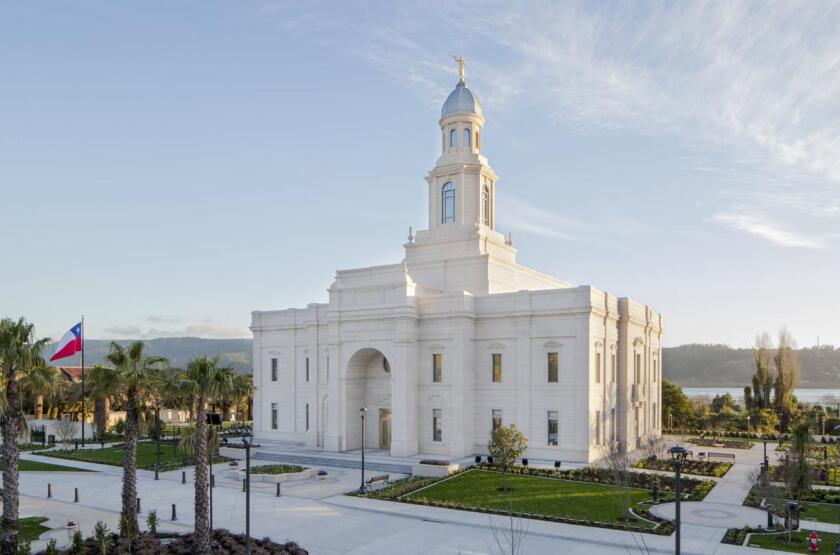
(239, 475)
(434, 470)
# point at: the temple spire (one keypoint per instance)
(461, 64)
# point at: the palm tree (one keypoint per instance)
(19, 352)
(103, 385)
(37, 382)
(237, 395)
(205, 380)
(133, 367)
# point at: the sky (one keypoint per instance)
(166, 167)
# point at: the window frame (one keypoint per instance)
(465, 137)
(598, 367)
(274, 369)
(448, 195)
(274, 416)
(486, 205)
(307, 369)
(437, 425)
(556, 422)
(453, 138)
(496, 416)
(496, 369)
(437, 367)
(556, 369)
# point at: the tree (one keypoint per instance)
(103, 385)
(676, 405)
(506, 445)
(798, 468)
(19, 353)
(134, 368)
(723, 403)
(205, 380)
(37, 382)
(762, 381)
(787, 377)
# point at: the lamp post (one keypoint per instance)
(247, 441)
(678, 454)
(157, 441)
(748, 422)
(837, 545)
(363, 415)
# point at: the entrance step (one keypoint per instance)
(336, 460)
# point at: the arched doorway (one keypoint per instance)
(367, 383)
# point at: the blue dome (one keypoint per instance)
(461, 100)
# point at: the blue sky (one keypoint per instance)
(167, 167)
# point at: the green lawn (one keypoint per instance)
(823, 512)
(31, 528)
(547, 496)
(37, 466)
(799, 543)
(145, 456)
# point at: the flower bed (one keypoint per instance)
(699, 468)
(721, 443)
(821, 474)
(183, 545)
(692, 489)
(277, 469)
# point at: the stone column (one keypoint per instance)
(403, 360)
(459, 370)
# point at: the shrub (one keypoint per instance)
(277, 469)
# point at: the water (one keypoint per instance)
(804, 395)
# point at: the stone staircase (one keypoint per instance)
(337, 460)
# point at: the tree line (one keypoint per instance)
(132, 379)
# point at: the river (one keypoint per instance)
(821, 396)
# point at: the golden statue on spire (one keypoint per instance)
(461, 64)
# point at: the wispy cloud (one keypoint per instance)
(204, 329)
(766, 228)
(521, 216)
(159, 319)
(757, 82)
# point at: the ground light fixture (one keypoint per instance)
(363, 416)
(678, 455)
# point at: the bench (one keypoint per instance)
(382, 478)
(711, 455)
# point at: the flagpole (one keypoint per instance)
(83, 380)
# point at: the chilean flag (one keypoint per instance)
(70, 344)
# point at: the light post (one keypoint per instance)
(748, 423)
(765, 467)
(213, 419)
(678, 454)
(363, 415)
(157, 441)
(246, 440)
(837, 545)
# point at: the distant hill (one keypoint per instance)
(179, 350)
(722, 366)
(687, 365)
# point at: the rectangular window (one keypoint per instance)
(612, 425)
(328, 369)
(597, 367)
(497, 367)
(638, 368)
(274, 369)
(597, 427)
(273, 416)
(497, 419)
(612, 368)
(552, 428)
(655, 369)
(553, 367)
(307, 369)
(437, 425)
(307, 417)
(437, 367)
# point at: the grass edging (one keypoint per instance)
(660, 526)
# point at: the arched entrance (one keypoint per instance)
(367, 383)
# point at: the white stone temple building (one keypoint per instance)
(458, 338)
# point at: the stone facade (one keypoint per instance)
(459, 336)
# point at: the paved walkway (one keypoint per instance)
(316, 514)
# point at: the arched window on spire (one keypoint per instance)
(447, 203)
(452, 138)
(466, 138)
(485, 205)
